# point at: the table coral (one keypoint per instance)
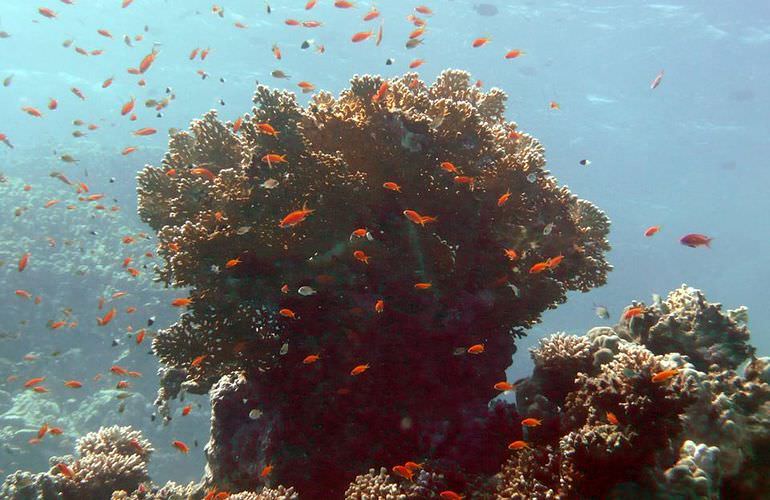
(247, 219)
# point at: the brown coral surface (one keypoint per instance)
(260, 226)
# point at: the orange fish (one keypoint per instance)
(312, 358)
(65, 470)
(378, 41)
(511, 254)
(23, 293)
(118, 295)
(145, 131)
(147, 61)
(128, 150)
(295, 217)
(306, 86)
(40, 389)
(502, 200)
(232, 262)
(186, 410)
(531, 422)
(379, 306)
(422, 286)
(413, 466)
(450, 495)
(32, 111)
(73, 384)
(513, 53)
(518, 445)
(133, 271)
(464, 179)
(55, 431)
(237, 124)
(126, 3)
(287, 313)
(361, 36)
(268, 129)
(128, 107)
(107, 317)
(392, 186)
(476, 349)
(46, 12)
(417, 33)
(360, 255)
(651, 230)
(57, 324)
(554, 105)
(104, 33)
(422, 9)
(358, 370)
(276, 52)
(539, 267)
(310, 4)
(417, 218)
(203, 172)
(665, 375)
(123, 384)
(381, 92)
(181, 302)
(611, 418)
(23, 261)
(449, 167)
(312, 24)
(107, 82)
(632, 312)
(179, 445)
(134, 374)
(402, 471)
(266, 471)
(555, 261)
(504, 386)
(343, 4)
(479, 42)
(34, 381)
(118, 370)
(372, 14)
(240, 25)
(52, 103)
(416, 63)
(273, 158)
(194, 53)
(205, 53)
(292, 22)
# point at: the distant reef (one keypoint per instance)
(359, 270)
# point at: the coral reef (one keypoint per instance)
(393, 228)
(622, 414)
(114, 458)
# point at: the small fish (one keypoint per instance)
(186, 410)
(403, 471)
(695, 240)
(68, 159)
(181, 302)
(179, 445)
(361, 36)
(379, 306)
(601, 311)
(633, 312)
(531, 422)
(312, 358)
(476, 349)
(7, 82)
(392, 186)
(518, 445)
(585, 163)
(611, 418)
(266, 471)
(664, 375)
(306, 291)
(657, 80)
(480, 42)
(450, 495)
(514, 53)
(358, 370)
(279, 74)
(652, 230)
(65, 470)
(504, 386)
(73, 384)
(288, 313)
(295, 217)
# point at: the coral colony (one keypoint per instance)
(359, 271)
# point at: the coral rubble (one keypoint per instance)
(463, 237)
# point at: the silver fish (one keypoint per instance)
(601, 311)
(306, 291)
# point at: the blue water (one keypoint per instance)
(690, 155)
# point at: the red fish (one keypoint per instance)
(372, 14)
(23, 261)
(46, 12)
(479, 42)
(32, 111)
(140, 336)
(695, 240)
(361, 36)
(295, 217)
(518, 445)
(147, 61)
(186, 410)
(128, 107)
(476, 349)
(665, 375)
(404, 472)
(651, 230)
(118, 370)
(179, 445)
(33, 381)
(358, 370)
(73, 384)
(53, 104)
(23, 293)
(531, 422)
(181, 302)
(145, 131)
(266, 471)
(65, 470)
(513, 53)
(105, 320)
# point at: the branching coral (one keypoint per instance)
(114, 458)
(441, 187)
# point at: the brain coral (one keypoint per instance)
(392, 227)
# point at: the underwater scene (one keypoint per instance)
(395, 249)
